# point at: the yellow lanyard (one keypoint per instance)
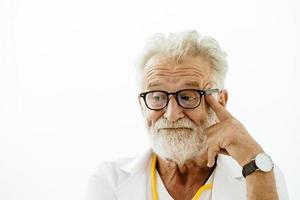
(153, 182)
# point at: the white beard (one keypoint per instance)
(178, 145)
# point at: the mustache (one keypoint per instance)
(181, 123)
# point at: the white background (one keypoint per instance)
(68, 98)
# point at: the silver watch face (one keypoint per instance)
(264, 162)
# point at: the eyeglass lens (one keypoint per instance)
(185, 98)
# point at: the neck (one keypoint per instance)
(182, 181)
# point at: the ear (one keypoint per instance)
(223, 97)
(140, 103)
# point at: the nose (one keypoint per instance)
(173, 111)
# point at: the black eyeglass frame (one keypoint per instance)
(201, 93)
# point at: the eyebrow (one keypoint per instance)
(191, 84)
(154, 84)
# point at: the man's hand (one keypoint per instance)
(229, 136)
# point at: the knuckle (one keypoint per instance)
(214, 148)
(229, 140)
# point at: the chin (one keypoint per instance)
(178, 148)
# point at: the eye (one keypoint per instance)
(156, 99)
(188, 96)
(158, 96)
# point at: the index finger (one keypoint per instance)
(219, 109)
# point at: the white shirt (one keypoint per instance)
(129, 179)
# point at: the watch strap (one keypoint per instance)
(249, 168)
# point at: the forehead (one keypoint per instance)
(190, 72)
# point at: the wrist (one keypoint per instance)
(262, 162)
(250, 156)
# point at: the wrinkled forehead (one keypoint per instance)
(190, 71)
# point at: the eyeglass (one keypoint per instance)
(187, 98)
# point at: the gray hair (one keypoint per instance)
(178, 45)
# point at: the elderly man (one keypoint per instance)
(198, 149)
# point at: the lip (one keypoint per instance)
(176, 129)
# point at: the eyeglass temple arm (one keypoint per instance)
(210, 91)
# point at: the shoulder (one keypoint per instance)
(110, 175)
(105, 179)
(112, 171)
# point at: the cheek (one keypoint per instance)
(152, 116)
(198, 116)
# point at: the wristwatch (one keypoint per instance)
(262, 162)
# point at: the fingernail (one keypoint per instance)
(208, 164)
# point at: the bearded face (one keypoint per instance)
(177, 133)
(178, 141)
